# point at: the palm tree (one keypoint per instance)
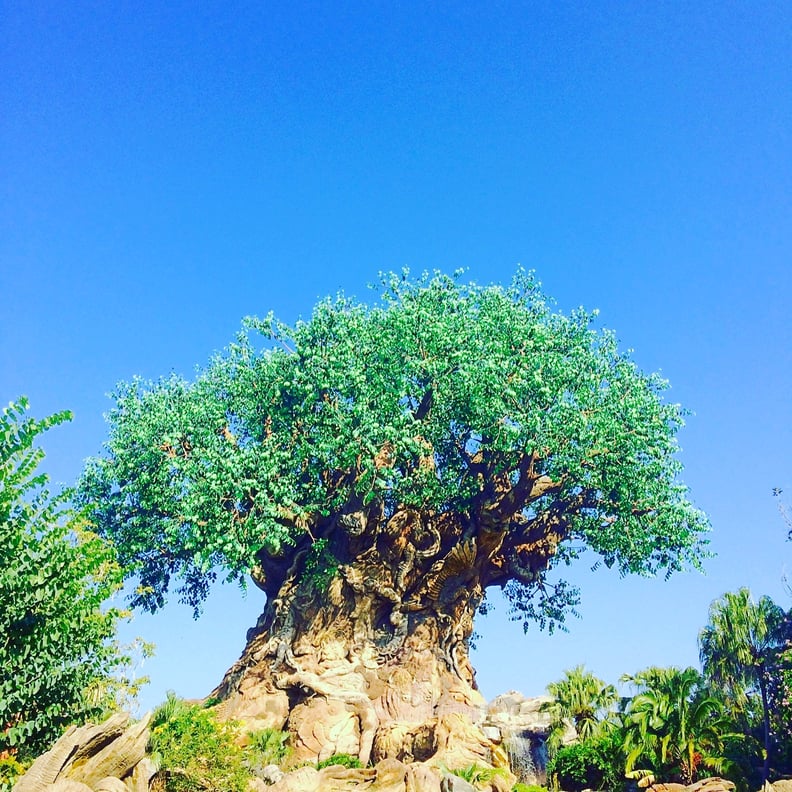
(671, 727)
(738, 650)
(580, 697)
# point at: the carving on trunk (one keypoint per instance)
(374, 661)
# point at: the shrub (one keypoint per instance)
(476, 774)
(597, 763)
(268, 746)
(10, 771)
(194, 750)
(57, 639)
(519, 787)
(343, 759)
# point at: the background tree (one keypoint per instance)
(580, 698)
(673, 727)
(375, 469)
(740, 652)
(56, 640)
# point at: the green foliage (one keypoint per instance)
(57, 649)
(519, 787)
(581, 698)
(342, 759)
(10, 770)
(195, 750)
(421, 400)
(596, 763)
(476, 774)
(270, 746)
(320, 565)
(674, 727)
(741, 653)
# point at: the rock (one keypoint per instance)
(492, 733)
(74, 746)
(713, 784)
(522, 729)
(46, 768)
(111, 784)
(117, 758)
(255, 784)
(341, 779)
(666, 787)
(782, 785)
(68, 785)
(391, 776)
(421, 778)
(460, 743)
(452, 783)
(502, 783)
(271, 774)
(98, 737)
(141, 776)
(305, 779)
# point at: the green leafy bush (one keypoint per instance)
(10, 771)
(58, 649)
(597, 763)
(343, 759)
(267, 746)
(518, 787)
(194, 750)
(477, 774)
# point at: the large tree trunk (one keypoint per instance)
(373, 660)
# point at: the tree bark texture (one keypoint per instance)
(372, 659)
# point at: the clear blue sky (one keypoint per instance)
(166, 171)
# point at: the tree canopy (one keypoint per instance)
(56, 638)
(580, 697)
(740, 651)
(440, 396)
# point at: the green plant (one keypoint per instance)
(476, 774)
(581, 698)
(10, 770)
(342, 759)
(57, 639)
(673, 727)
(194, 750)
(320, 565)
(740, 650)
(597, 763)
(270, 746)
(520, 787)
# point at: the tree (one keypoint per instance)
(56, 640)
(580, 697)
(740, 649)
(672, 727)
(375, 469)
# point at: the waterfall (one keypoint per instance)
(527, 755)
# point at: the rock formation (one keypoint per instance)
(516, 724)
(110, 757)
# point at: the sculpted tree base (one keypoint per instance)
(372, 662)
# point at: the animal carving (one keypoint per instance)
(458, 560)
